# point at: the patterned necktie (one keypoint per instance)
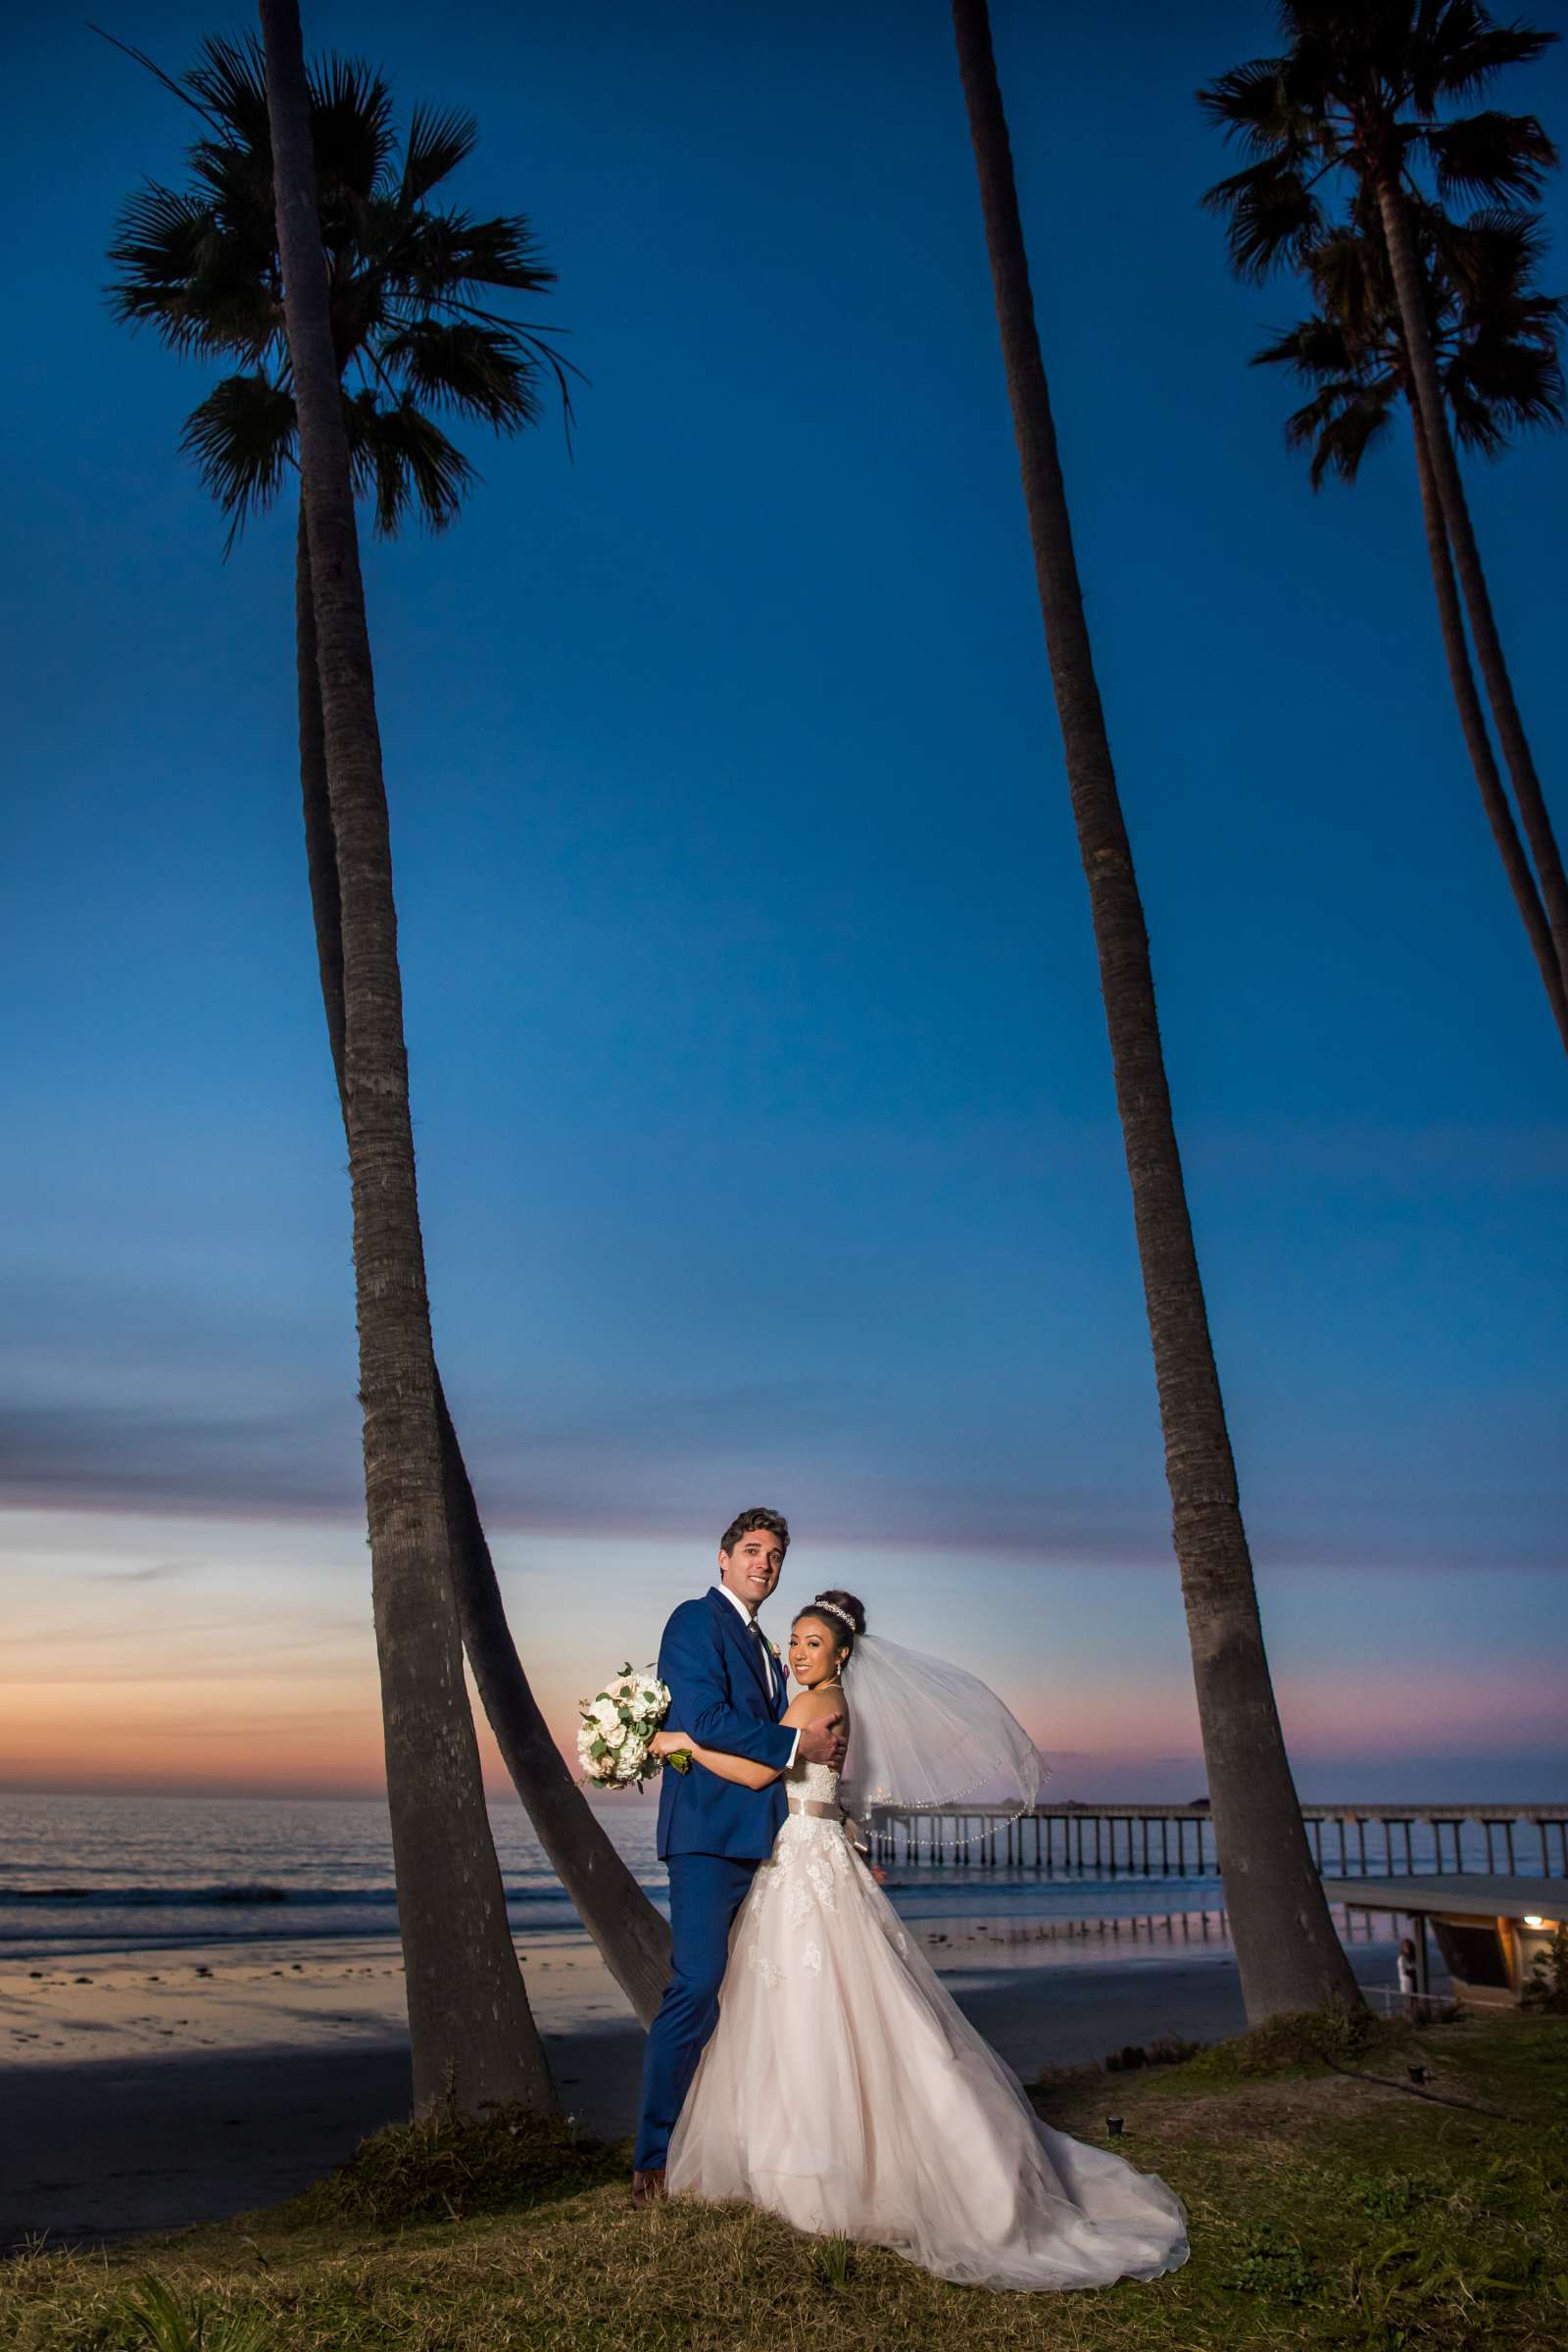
(756, 1630)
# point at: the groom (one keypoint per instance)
(728, 1691)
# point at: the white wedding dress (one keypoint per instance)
(844, 2088)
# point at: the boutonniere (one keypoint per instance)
(774, 1647)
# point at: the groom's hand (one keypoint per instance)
(824, 1742)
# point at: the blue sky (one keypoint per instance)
(767, 1146)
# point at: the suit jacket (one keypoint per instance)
(723, 1692)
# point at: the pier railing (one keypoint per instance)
(1178, 1840)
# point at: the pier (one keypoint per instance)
(1178, 1840)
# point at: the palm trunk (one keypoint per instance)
(472, 2035)
(1473, 721)
(1289, 1954)
(1532, 812)
(632, 1937)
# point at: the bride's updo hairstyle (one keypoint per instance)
(842, 1614)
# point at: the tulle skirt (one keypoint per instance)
(843, 2089)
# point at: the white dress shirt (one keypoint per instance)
(750, 1615)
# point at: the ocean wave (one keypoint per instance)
(180, 1899)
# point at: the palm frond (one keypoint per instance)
(159, 238)
(229, 84)
(1271, 216)
(1349, 273)
(1489, 257)
(1491, 154)
(439, 140)
(150, 65)
(1250, 105)
(242, 439)
(430, 256)
(401, 459)
(1457, 48)
(181, 271)
(352, 128)
(1342, 436)
(501, 252)
(1315, 349)
(477, 370)
(1506, 374)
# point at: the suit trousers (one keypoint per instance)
(706, 1890)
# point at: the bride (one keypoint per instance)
(842, 2088)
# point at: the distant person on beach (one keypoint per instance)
(1404, 1971)
(842, 2086)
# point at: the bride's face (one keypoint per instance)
(813, 1652)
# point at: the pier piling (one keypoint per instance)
(1108, 1840)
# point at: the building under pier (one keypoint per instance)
(1490, 1931)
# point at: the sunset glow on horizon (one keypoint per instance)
(213, 1657)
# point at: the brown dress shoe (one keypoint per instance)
(648, 2188)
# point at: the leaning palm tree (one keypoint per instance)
(1289, 1954)
(1359, 91)
(472, 2035)
(1495, 339)
(417, 338)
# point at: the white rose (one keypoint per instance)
(605, 1713)
(615, 1734)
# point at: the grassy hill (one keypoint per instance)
(1331, 2202)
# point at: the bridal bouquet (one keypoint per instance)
(617, 1725)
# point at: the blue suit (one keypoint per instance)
(727, 1691)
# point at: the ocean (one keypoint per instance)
(83, 1875)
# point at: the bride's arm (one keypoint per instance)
(718, 1760)
(804, 1709)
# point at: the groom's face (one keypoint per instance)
(751, 1570)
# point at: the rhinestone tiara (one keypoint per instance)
(833, 1610)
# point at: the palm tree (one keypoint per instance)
(1289, 1954)
(1358, 91)
(415, 337)
(472, 2035)
(1494, 340)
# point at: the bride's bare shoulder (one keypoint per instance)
(813, 1706)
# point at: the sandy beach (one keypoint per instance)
(149, 2089)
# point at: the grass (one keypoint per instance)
(1329, 2205)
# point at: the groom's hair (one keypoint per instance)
(773, 1523)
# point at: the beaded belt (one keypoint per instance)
(815, 1807)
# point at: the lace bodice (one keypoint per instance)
(818, 1782)
(796, 1892)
